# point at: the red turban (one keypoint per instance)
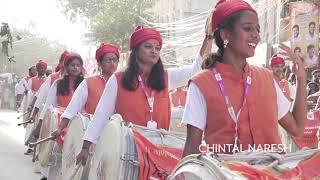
(62, 56)
(142, 34)
(276, 60)
(106, 48)
(70, 56)
(41, 63)
(226, 8)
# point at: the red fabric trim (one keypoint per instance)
(155, 161)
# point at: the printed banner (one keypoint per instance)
(305, 31)
(155, 162)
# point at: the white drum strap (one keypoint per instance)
(131, 162)
(262, 157)
(202, 161)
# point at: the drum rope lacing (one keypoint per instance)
(83, 116)
(161, 131)
(256, 158)
(213, 168)
(263, 157)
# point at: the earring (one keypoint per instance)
(225, 43)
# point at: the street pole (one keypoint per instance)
(279, 6)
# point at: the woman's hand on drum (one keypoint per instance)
(18, 104)
(29, 109)
(84, 153)
(56, 133)
(82, 156)
(32, 118)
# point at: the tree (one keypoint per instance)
(28, 51)
(109, 20)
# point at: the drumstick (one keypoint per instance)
(34, 154)
(27, 122)
(42, 141)
(23, 115)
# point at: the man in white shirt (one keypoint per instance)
(23, 84)
(312, 58)
(277, 64)
(40, 98)
(311, 36)
(295, 34)
(297, 50)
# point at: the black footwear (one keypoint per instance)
(43, 178)
(29, 151)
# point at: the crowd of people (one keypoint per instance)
(225, 100)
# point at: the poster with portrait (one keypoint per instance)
(304, 27)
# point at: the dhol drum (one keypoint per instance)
(72, 146)
(27, 98)
(49, 153)
(115, 155)
(28, 137)
(302, 164)
(29, 129)
(175, 122)
(54, 169)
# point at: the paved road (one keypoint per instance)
(14, 165)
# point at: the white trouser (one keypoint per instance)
(54, 172)
(44, 171)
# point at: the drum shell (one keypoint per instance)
(217, 166)
(45, 149)
(123, 154)
(29, 129)
(72, 146)
(27, 98)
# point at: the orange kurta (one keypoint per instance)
(133, 105)
(36, 83)
(257, 123)
(178, 98)
(96, 86)
(63, 102)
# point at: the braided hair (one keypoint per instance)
(228, 24)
